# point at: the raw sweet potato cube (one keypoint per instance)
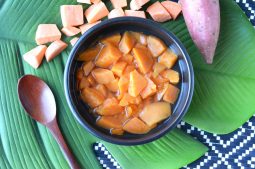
(137, 83)
(155, 45)
(96, 12)
(128, 69)
(134, 5)
(84, 1)
(157, 69)
(102, 89)
(168, 58)
(113, 39)
(149, 90)
(109, 122)
(127, 43)
(83, 83)
(108, 55)
(55, 49)
(123, 85)
(171, 75)
(47, 33)
(73, 41)
(35, 56)
(143, 58)
(173, 8)
(87, 26)
(110, 107)
(92, 97)
(91, 80)
(71, 15)
(113, 85)
(171, 94)
(88, 67)
(117, 131)
(128, 58)
(119, 3)
(136, 126)
(118, 68)
(70, 30)
(90, 53)
(158, 12)
(140, 14)
(103, 76)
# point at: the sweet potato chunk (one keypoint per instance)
(157, 69)
(136, 126)
(108, 55)
(158, 12)
(159, 80)
(149, 90)
(96, 12)
(71, 15)
(143, 58)
(127, 99)
(140, 37)
(73, 41)
(171, 75)
(155, 112)
(88, 67)
(119, 3)
(83, 83)
(128, 69)
(173, 8)
(123, 85)
(137, 4)
(55, 49)
(140, 14)
(117, 12)
(113, 39)
(70, 30)
(87, 26)
(109, 122)
(117, 131)
(128, 58)
(131, 111)
(136, 83)
(91, 80)
(118, 68)
(171, 94)
(103, 76)
(102, 89)
(156, 46)
(90, 53)
(47, 33)
(110, 107)
(92, 97)
(161, 91)
(113, 85)
(127, 43)
(168, 58)
(35, 56)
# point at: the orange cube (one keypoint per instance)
(171, 94)
(136, 126)
(173, 8)
(127, 43)
(92, 97)
(140, 14)
(96, 12)
(90, 53)
(55, 49)
(71, 15)
(91, 80)
(70, 30)
(110, 107)
(123, 85)
(83, 83)
(127, 99)
(128, 58)
(87, 26)
(156, 46)
(158, 12)
(161, 91)
(171, 75)
(157, 69)
(118, 68)
(149, 90)
(113, 39)
(113, 85)
(168, 58)
(136, 83)
(103, 76)
(128, 69)
(102, 89)
(35, 56)
(47, 33)
(88, 67)
(119, 3)
(109, 122)
(159, 80)
(141, 38)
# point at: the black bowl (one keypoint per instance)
(81, 111)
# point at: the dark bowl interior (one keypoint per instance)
(184, 66)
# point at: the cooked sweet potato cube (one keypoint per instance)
(168, 58)
(161, 91)
(91, 80)
(157, 69)
(158, 12)
(109, 122)
(71, 15)
(90, 53)
(96, 12)
(119, 3)
(131, 111)
(87, 26)
(83, 83)
(140, 14)
(156, 46)
(128, 69)
(103, 76)
(159, 80)
(113, 85)
(128, 58)
(173, 8)
(171, 75)
(155, 112)
(118, 68)
(143, 58)
(102, 89)
(87, 67)
(117, 131)
(136, 83)
(79, 74)
(108, 55)
(35, 56)
(47, 33)
(127, 43)
(140, 37)
(171, 94)
(73, 41)
(92, 97)
(110, 107)
(117, 12)
(127, 99)
(113, 39)
(149, 90)
(70, 30)
(54, 49)
(123, 85)
(136, 126)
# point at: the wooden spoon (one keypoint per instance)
(38, 101)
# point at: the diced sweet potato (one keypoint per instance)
(127, 43)
(73, 41)
(140, 37)
(127, 99)
(92, 97)
(148, 100)
(161, 91)
(87, 67)
(118, 68)
(95, 1)
(71, 15)
(113, 85)
(90, 53)
(136, 83)
(87, 26)
(159, 80)
(113, 39)
(102, 89)
(157, 69)
(83, 83)
(158, 12)
(119, 3)
(91, 80)
(132, 111)
(55, 49)
(47, 33)
(168, 58)
(110, 107)
(103, 76)
(128, 58)
(137, 4)
(96, 12)
(171, 75)
(136, 126)
(149, 90)
(171, 94)
(140, 14)
(155, 112)
(109, 122)
(79, 74)
(155, 45)
(84, 1)
(123, 85)
(128, 69)
(143, 58)
(173, 8)
(117, 131)
(70, 30)
(108, 55)
(35, 56)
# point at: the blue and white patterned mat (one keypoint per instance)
(232, 151)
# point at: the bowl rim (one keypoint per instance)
(99, 134)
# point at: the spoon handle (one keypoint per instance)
(53, 127)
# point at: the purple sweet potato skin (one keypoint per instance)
(202, 18)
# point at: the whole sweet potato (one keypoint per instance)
(202, 18)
